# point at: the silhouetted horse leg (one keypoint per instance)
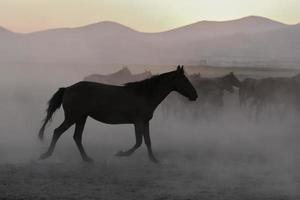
(57, 133)
(138, 139)
(148, 142)
(78, 139)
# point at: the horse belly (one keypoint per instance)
(114, 114)
(112, 118)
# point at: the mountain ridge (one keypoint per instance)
(247, 40)
(108, 22)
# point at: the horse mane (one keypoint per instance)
(147, 85)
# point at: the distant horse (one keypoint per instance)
(133, 103)
(263, 96)
(211, 90)
(118, 78)
(247, 90)
(194, 77)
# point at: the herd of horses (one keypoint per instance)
(257, 97)
(210, 101)
(265, 95)
(134, 102)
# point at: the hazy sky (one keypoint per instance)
(143, 15)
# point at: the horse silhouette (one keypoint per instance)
(133, 103)
(118, 78)
(212, 89)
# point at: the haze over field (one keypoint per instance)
(228, 157)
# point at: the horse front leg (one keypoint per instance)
(78, 139)
(138, 143)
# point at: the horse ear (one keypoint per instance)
(181, 69)
(178, 67)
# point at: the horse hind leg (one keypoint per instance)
(78, 139)
(56, 135)
(146, 134)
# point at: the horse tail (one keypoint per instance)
(53, 104)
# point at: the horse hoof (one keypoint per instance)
(88, 160)
(154, 160)
(44, 156)
(120, 153)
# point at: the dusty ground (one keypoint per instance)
(135, 178)
(250, 161)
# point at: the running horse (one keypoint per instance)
(133, 103)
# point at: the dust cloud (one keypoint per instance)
(228, 156)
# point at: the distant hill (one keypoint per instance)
(247, 41)
(213, 29)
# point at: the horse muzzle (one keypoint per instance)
(194, 98)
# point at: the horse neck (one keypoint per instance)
(161, 92)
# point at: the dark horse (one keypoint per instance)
(133, 103)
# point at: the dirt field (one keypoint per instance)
(253, 161)
(181, 178)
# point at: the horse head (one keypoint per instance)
(228, 81)
(234, 80)
(182, 85)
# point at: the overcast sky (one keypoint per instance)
(142, 15)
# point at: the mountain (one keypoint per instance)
(280, 46)
(5, 32)
(247, 41)
(212, 29)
